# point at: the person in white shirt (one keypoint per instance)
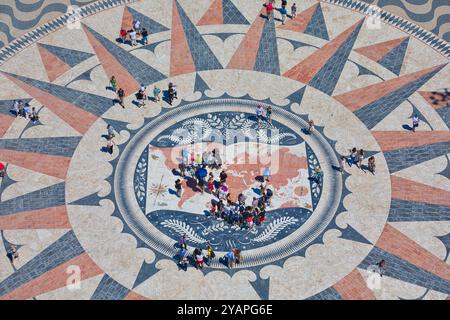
(259, 113)
(133, 37)
(137, 26)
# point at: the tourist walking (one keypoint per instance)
(415, 122)
(110, 145)
(123, 35)
(16, 107)
(342, 164)
(283, 13)
(230, 257)
(269, 114)
(172, 92)
(137, 26)
(113, 83)
(310, 126)
(2, 170)
(144, 35)
(12, 254)
(352, 158)
(156, 93)
(371, 164)
(110, 131)
(210, 253)
(182, 242)
(34, 116)
(259, 113)
(133, 37)
(178, 187)
(293, 11)
(26, 110)
(121, 95)
(269, 10)
(360, 158)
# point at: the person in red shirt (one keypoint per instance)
(2, 170)
(123, 35)
(269, 8)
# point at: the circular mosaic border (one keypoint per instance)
(322, 216)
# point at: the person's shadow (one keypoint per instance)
(306, 131)
(166, 96)
(336, 168)
(407, 127)
(104, 149)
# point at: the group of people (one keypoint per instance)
(356, 157)
(141, 95)
(200, 259)
(133, 34)
(283, 11)
(24, 110)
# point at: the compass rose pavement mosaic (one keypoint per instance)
(79, 222)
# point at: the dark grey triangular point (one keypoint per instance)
(223, 36)
(202, 55)
(6, 182)
(262, 287)
(418, 298)
(298, 44)
(446, 241)
(316, 26)
(416, 111)
(297, 96)
(118, 125)
(146, 271)
(69, 56)
(362, 71)
(200, 85)
(146, 22)
(152, 46)
(350, 233)
(393, 60)
(446, 171)
(8, 244)
(231, 14)
(84, 76)
(92, 200)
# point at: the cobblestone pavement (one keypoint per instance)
(88, 224)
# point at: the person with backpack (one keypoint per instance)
(121, 95)
(144, 35)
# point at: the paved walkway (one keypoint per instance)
(75, 212)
